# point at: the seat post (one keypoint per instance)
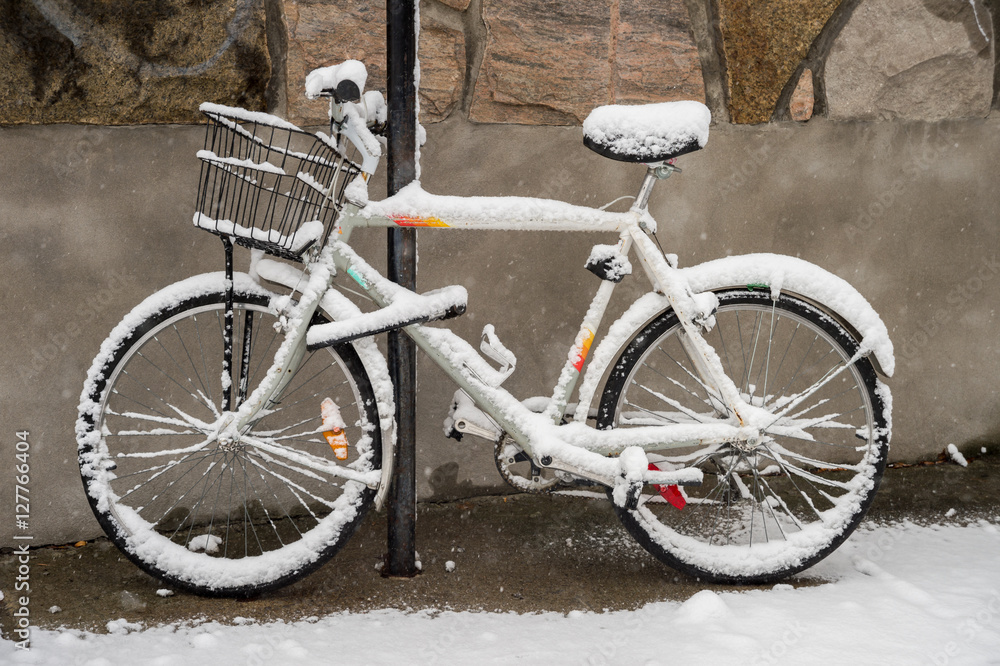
(642, 198)
(654, 172)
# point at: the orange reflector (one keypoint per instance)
(338, 442)
(335, 436)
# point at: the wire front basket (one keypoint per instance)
(268, 184)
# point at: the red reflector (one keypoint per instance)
(670, 493)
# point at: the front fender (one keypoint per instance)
(779, 273)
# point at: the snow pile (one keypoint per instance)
(800, 277)
(617, 264)
(244, 116)
(266, 167)
(206, 542)
(406, 307)
(898, 595)
(957, 456)
(357, 191)
(296, 242)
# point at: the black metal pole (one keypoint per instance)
(401, 58)
(227, 331)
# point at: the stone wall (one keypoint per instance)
(936, 63)
(141, 61)
(534, 62)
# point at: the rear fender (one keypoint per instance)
(778, 273)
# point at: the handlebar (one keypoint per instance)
(325, 81)
(357, 115)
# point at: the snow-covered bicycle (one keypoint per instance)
(232, 435)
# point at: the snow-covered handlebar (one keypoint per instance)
(353, 112)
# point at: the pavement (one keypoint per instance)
(521, 553)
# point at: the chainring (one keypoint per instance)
(521, 472)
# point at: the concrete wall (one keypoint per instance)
(871, 155)
(93, 219)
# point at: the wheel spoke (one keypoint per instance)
(714, 401)
(205, 391)
(177, 483)
(796, 491)
(673, 403)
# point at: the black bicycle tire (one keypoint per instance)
(123, 346)
(643, 339)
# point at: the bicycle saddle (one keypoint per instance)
(647, 132)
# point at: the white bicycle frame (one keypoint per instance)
(573, 448)
(615, 457)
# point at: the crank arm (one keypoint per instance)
(467, 427)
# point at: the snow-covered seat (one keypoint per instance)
(647, 132)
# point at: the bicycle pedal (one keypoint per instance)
(632, 467)
(608, 263)
(626, 493)
(465, 418)
(632, 494)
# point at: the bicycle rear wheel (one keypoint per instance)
(774, 508)
(221, 517)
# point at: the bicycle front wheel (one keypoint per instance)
(222, 516)
(778, 506)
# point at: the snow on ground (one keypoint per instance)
(902, 594)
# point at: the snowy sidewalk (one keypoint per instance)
(556, 580)
(904, 594)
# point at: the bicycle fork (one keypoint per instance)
(289, 356)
